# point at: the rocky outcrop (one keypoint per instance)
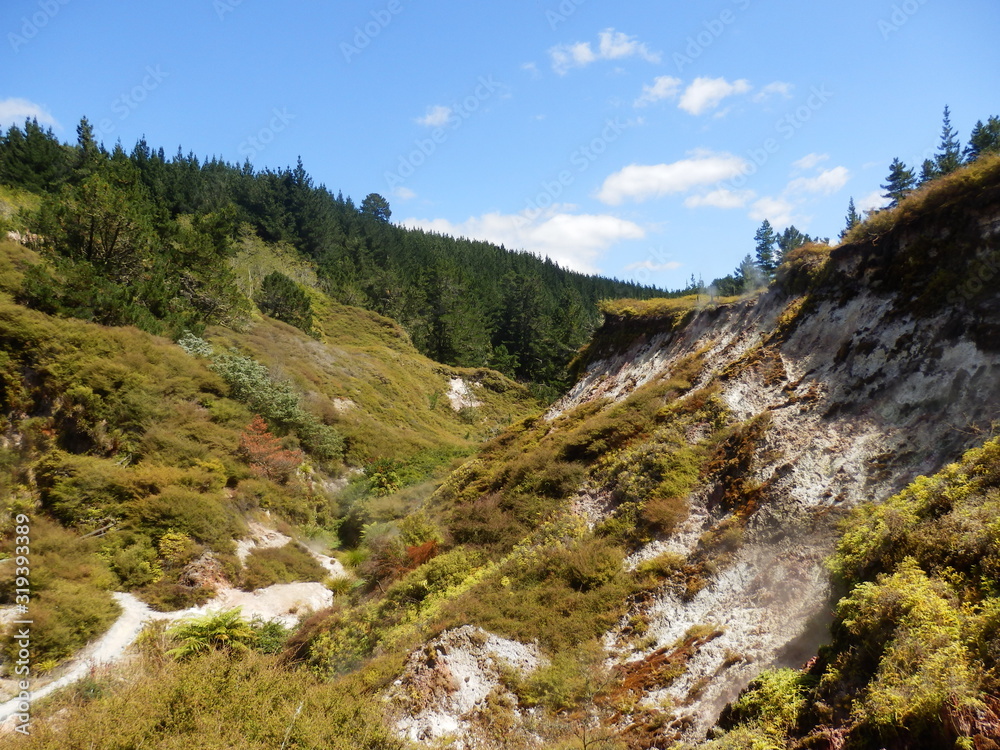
(873, 374)
(455, 685)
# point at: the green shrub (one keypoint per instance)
(282, 298)
(202, 516)
(216, 631)
(772, 702)
(913, 634)
(665, 514)
(66, 616)
(662, 566)
(589, 565)
(268, 566)
(570, 679)
(70, 602)
(216, 703)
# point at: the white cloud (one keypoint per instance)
(776, 210)
(640, 182)
(649, 265)
(611, 45)
(704, 94)
(776, 88)
(871, 202)
(826, 182)
(567, 56)
(615, 45)
(16, 111)
(809, 161)
(721, 198)
(404, 193)
(531, 69)
(663, 87)
(575, 241)
(436, 117)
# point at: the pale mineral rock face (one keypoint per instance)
(461, 396)
(447, 683)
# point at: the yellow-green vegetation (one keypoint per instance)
(801, 268)
(969, 181)
(914, 657)
(266, 567)
(675, 308)
(70, 598)
(126, 436)
(383, 397)
(765, 712)
(517, 562)
(212, 702)
(15, 207)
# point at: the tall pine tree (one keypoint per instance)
(765, 240)
(851, 220)
(984, 139)
(788, 240)
(899, 184)
(949, 156)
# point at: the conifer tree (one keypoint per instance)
(749, 275)
(765, 240)
(852, 219)
(788, 240)
(949, 156)
(899, 183)
(984, 139)
(928, 171)
(376, 206)
(89, 156)
(282, 298)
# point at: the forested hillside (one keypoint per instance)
(144, 239)
(191, 416)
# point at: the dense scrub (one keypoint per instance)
(211, 701)
(914, 658)
(161, 452)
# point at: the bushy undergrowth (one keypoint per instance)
(213, 702)
(914, 657)
(70, 599)
(268, 566)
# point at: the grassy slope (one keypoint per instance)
(515, 562)
(112, 423)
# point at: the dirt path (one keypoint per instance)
(282, 602)
(107, 649)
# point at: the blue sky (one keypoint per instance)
(640, 139)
